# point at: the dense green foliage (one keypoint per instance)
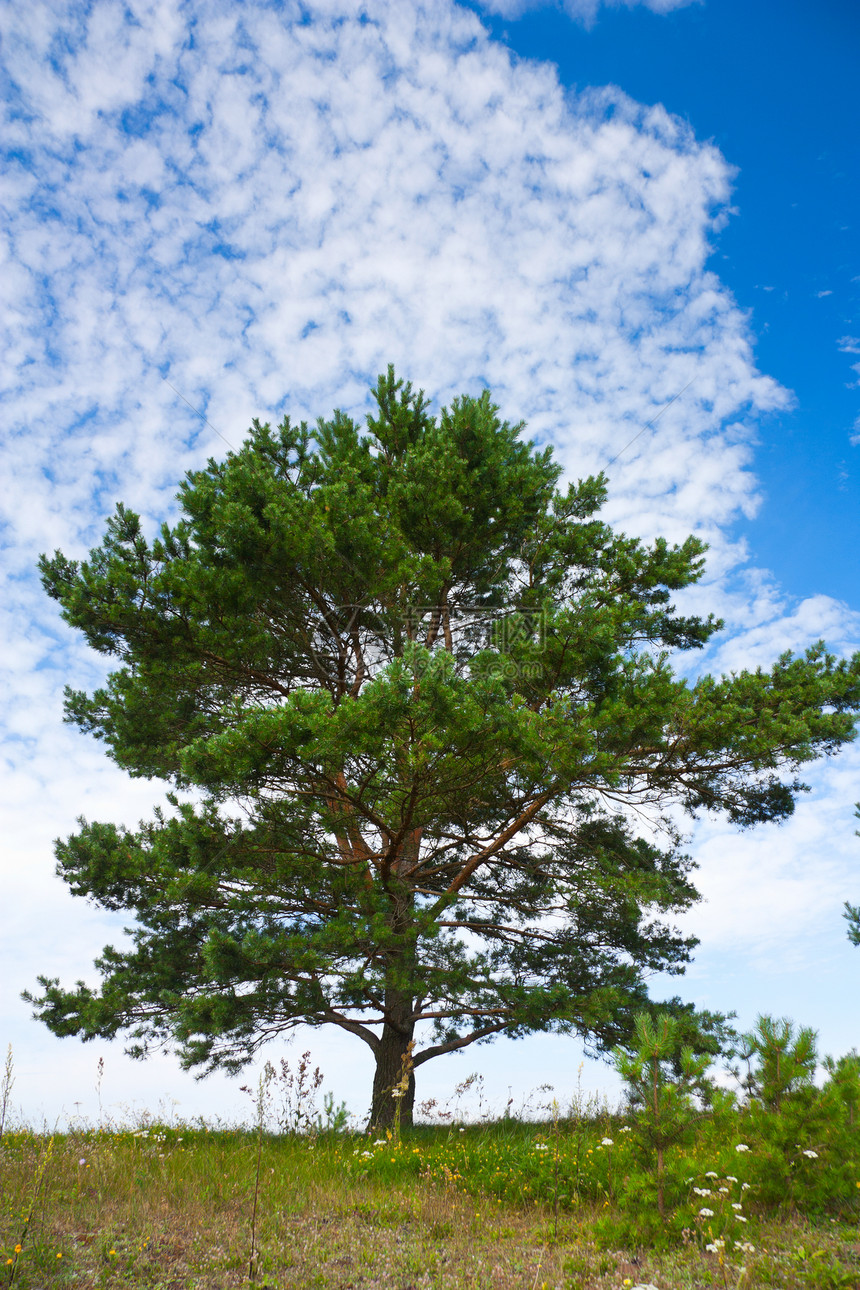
(409, 695)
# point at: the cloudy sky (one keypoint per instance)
(213, 212)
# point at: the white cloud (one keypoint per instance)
(270, 213)
(782, 885)
(766, 628)
(584, 11)
(851, 345)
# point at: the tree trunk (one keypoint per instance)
(392, 1062)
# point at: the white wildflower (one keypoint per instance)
(706, 1213)
(606, 1142)
(742, 1146)
(740, 1218)
(730, 1178)
(736, 1205)
(711, 1174)
(813, 1155)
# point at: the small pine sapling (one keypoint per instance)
(661, 1098)
(787, 1116)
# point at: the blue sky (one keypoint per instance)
(774, 87)
(587, 208)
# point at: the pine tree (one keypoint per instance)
(408, 695)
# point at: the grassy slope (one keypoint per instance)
(444, 1208)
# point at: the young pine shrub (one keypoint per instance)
(838, 1190)
(779, 1062)
(805, 1140)
(662, 1081)
(843, 1087)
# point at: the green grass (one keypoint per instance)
(500, 1205)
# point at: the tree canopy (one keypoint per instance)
(413, 699)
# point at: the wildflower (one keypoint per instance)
(813, 1155)
(82, 1160)
(711, 1174)
(379, 1142)
(541, 1146)
(724, 1191)
(706, 1213)
(18, 1249)
(701, 1191)
(740, 1218)
(626, 1128)
(59, 1256)
(730, 1178)
(735, 1205)
(606, 1142)
(746, 1186)
(742, 1146)
(746, 1247)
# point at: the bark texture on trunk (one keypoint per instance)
(391, 1058)
(394, 1071)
